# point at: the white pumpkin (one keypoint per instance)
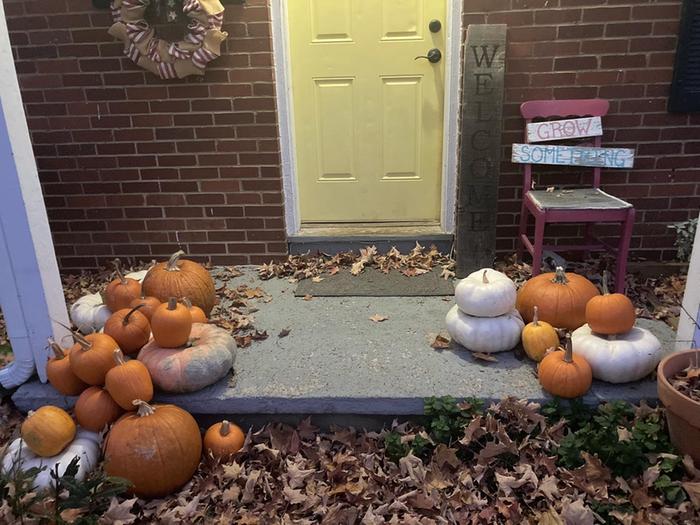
(89, 313)
(485, 334)
(86, 446)
(620, 358)
(138, 276)
(486, 293)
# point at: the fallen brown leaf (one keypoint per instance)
(481, 356)
(378, 318)
(440, 342)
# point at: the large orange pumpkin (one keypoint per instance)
(157, 449)
(565, 374)
(560, 297)
(128, 381)
(92, 356)
(59, 373)
(129, 328)
(181, 278)
(121, 291)
(610, 313)
(95, 409)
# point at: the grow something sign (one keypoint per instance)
(573, 156)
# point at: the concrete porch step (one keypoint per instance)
(335, 360)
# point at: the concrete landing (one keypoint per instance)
(335, 360)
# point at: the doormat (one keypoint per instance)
(373, 283)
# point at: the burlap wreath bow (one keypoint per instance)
(168, 60)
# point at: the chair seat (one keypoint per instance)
(577, 199)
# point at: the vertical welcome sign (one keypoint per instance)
(480, 156)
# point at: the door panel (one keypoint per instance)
(368, 117)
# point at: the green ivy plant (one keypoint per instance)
(685, 237)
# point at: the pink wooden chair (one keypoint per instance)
(582, 205)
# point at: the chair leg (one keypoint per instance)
(587, 238)
(522, 230)
(623, 251)
(537, 247)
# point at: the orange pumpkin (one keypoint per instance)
(610, 314)
(561, 298)
(222, 440)
(198, 315)
(149, 305)
(121, 291)
(48, 430)
(127, 381)
(129, 328)
(171, 324)
(157, 448)
(181, 278)
(95, 409)
(92, 356)
(565, 374)
(59, 372)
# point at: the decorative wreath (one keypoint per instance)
(189, 56)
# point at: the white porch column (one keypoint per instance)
(30, 287)
(688, 335)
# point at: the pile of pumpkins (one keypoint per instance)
(156, 447)
(601, 339)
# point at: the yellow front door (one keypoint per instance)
(368, 116)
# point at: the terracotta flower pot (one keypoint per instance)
(682, 413)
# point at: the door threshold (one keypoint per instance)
(351, 237)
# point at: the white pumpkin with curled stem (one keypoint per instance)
(485, 334)
(618, 358)
(486, 293)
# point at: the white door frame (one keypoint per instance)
(283, 88)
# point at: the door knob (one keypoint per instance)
(433, 56)
(434, 26)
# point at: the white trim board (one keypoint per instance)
(285, 113)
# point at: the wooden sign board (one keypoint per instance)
(572, 156)
(564, 129)
(480, 155)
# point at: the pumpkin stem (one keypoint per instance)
(485, 279)
(568, 350)
(77, 336)
(225, 428)
(125, 321)
(605, 283)
(560, 276)
(117, 268)
(144, 408)
(186, 301)
(535, 316)
(172, 303)
(172, 262)
(119, 356)
(57, 350)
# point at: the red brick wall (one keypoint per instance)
(621, 50)
(131, 165)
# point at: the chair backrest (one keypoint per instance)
(549, 109)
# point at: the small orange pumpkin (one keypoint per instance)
(561, 298)
(127, 381)
(198, 315)
(565, 374)
(610, 313)
(59, 372)
(538, 337)
(129, 328)
(171, 324)
(121, 291)
(48, 430)
(224, 439)
(149, 305)
(181, 278)
(157, 448)
(96, 409)
(92, 356)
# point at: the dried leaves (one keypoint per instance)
(687, 381)
(420, 260)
